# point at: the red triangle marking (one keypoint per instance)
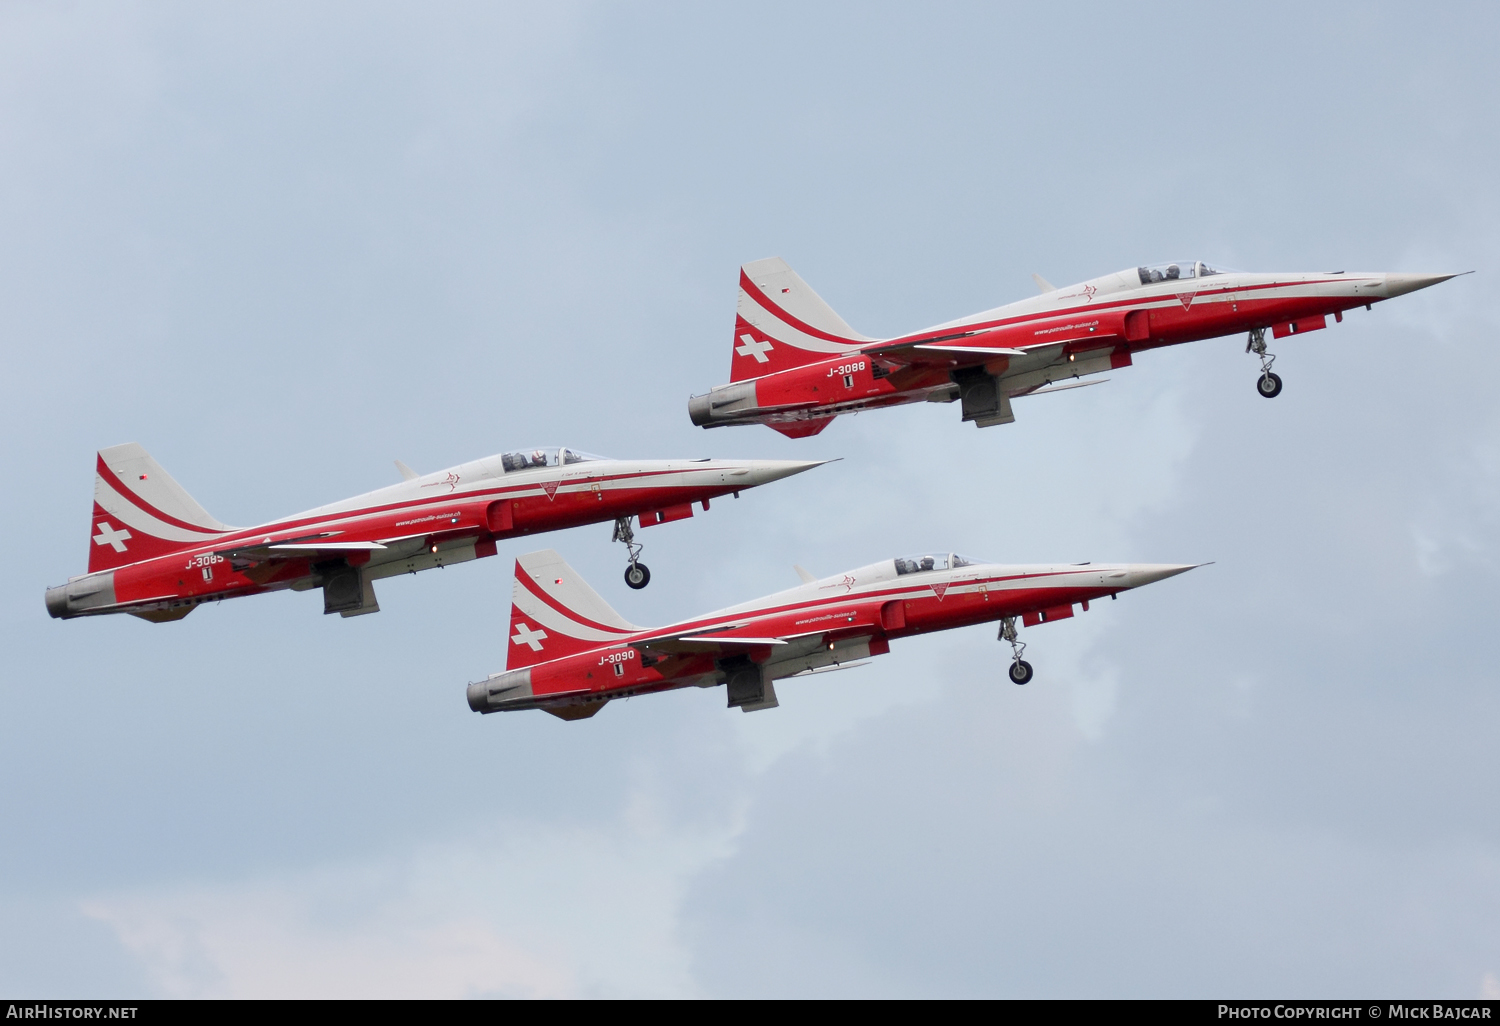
(941, 590)
(551, 489)
(1187, 298)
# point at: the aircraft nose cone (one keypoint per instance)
(1139, 574)
(766, 471)
(1401, 284)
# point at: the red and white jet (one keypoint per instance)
(795, 364)
(158, 554)
(569, 653)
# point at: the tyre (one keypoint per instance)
(1020, 671)
(637, 575)
(1269, 385)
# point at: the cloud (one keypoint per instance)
(522, 910)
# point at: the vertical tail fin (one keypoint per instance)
(781, 323)
(140, 512)
(554, 613)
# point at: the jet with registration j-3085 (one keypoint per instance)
(157, 554)
(795, 364)
(569, 653)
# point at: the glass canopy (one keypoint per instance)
(1153, 273)
(545, 456)
(932, 561)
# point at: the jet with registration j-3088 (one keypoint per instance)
(795, 364)
(569, 653)
(156, 553)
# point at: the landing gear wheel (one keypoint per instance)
(1020, 669)
(1268, 384)
(636, 574)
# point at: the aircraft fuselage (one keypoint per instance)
(795, 376)
(147, 562)
(821, 624)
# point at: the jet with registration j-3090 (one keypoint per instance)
(156, 553)
(569, 653)
(795, 364)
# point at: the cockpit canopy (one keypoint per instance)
(932, 561)
(1154, 273)
(546, 456)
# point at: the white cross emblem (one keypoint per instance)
(109, 536)
(751, 347)
(526, 636)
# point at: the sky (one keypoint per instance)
(281, 245)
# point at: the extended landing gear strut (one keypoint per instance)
(1020, 669)
(1268, 385)
(637, 574)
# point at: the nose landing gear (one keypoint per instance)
(1268, 384)
(637, 574)
(1020, 669)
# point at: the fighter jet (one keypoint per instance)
(569, 653)
(157, 554)
(795, 364)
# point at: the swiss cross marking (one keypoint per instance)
(750, 346)
(109, 536)
(526, 636)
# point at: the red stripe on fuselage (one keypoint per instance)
(1137, 302)
(702, 625)
(255, 534)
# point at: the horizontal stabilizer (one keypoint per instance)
(721, 639)
(407, 474)
(297, 547)
(1062, 388)
(814, 671)
(349, 546)
(987, 350)
(1043, 284)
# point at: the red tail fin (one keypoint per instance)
(555, 613)
(780, 323)
(140, 512)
